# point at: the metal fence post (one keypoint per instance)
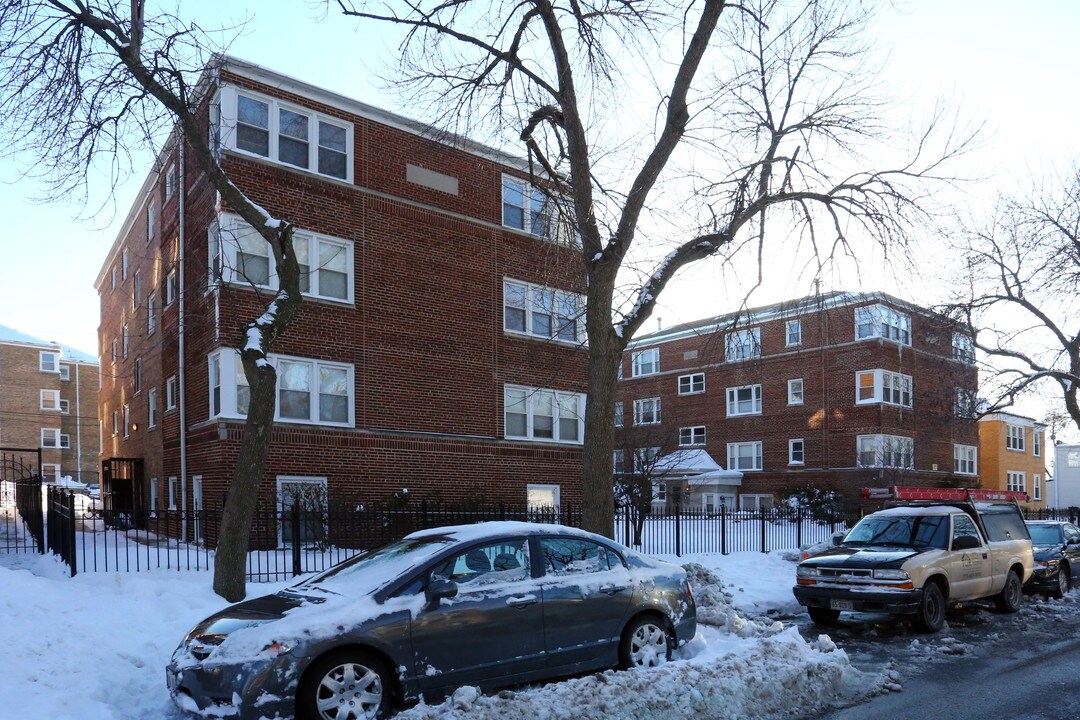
(798, 526)
(763, 529)
(297, 565)
(69, 536)
(678, 529)
(723, 528)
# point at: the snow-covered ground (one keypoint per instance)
(94, 647)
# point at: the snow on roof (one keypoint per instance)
(479, 531)
(11, 336)
(920, 510)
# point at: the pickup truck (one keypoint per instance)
(918, 558)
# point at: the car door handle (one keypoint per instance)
(523, 601)
(612, 589)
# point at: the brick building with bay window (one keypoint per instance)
(834, 392)
(439, 347)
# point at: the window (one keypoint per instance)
(526, 207)
(504, 561)
(544, 415)
(138, 375)
(647, 411)
(49, 400)
(743, 344)
(1036, 443)
(692, 384)
(744, 456)
(50, 472)
(136, 290)
(964, 527)
(1016, 481)
(1014, 438)
(115, 353)
(645, 459)
(151, 313)
(153, 495)
(310, 495)
(618, 457)
(645, 362)
(124, 264)
(65, 441)
(50, 437)
(544, 499)
(65, 373)
(882, 386)
(170, 393)
(170, 288)
(239, 254)
(965, 459)
(127, 420)
(689, 436)
(795, 392)
(745, 400)
(796, 451)
(125, 341)
(565, 557)
(793, 333)
(172, 493)
(755, 502)
(965, 405)
(289, 134)
(618, 414)
(151, 221)
(1036, 486)
(49, 362)
(115, 422)
(543, 312)
(114, 273)
(885, 451)
(151, 408)
(882, 321)
(963, 348)
(65, 407)
(170, 182)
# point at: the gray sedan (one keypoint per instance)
(490, 605)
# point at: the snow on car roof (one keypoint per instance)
(920, 510)
(479, 531)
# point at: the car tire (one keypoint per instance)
(931, 614)
(1064, 583)
(1008, 600)
(354, 679)
(823, 616)
(646, 642)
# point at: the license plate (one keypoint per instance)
(840, 605)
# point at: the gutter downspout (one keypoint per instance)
(180, 250)
(78, 428)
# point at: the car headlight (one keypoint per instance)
(886, 574)
(807, 571)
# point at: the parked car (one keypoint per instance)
(1057, 553)
(914, 559)
(491, 605)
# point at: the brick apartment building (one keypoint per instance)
(49, 400)
(837, 392)
(1012, 456)
(439, 346)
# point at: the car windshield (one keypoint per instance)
(1045, 534)
(368, 572)
(918, 531)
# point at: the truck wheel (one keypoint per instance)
(1008, 600)
(931, 614)
(823, 616)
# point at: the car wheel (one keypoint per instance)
(823, 616)
(1064, 583)
(931, 614)
(347, 685)
(1008, 600)
(646, 642)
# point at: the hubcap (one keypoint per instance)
(1063, 581)
(349, 692)
(648, 646)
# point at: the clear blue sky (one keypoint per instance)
(1012, 64)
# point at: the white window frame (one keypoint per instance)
(124, 343)
(645, 362)
(692, 384)
(965, 459)
(963, 348)
(793, 333)
(49, 400)
(759, 501)
(619, 414)
(560, 402)
(231, 369)
(1036, 487)
(170, 393)
(138, 375)
(542, 300)
(49, 362)
(742, 345)
(647, 408)
(1016, 481)
(733, 456)
(127, 420)
(890, 388)
(170, 181)
(65, 441)
(964, 404)
(796, 391)
(151, 221)
(136, 289)
(1014, 438)
(881, 321)
(692, 436)
(223, 238)
(151, 408)
(170, 288)
(153, 495)
(733, 400)
(65, 406)
(50, 438)
(1036, 443)
(886, 449)
(545, 487)
(115, 423)
(124, 265)
(50, 470)
(114, 273)
(565, 233)
(800, 443)
(65, 373)
(228, 135)
(172, 492)
(151, 313)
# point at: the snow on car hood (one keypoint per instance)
(862, 558)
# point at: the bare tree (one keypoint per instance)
(643, 456)
(774, 124)
(87, 84)
(1024, 294)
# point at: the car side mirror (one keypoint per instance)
(1074, 541)
(440, 588)
(837, 538)
(966, 542)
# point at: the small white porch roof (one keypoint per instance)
(697, 467)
